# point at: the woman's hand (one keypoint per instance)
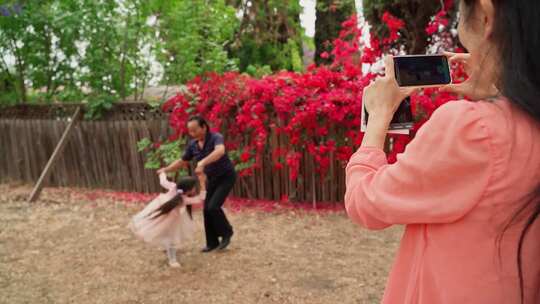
(474, 87)
(383, 97)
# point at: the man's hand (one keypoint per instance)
(162, 170)
(199, 170)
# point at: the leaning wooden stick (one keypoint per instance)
(57, 151)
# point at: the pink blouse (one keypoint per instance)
(468, 170)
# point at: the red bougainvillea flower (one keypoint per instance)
(287, 115)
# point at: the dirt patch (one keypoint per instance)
(66, 250)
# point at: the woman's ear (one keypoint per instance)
(486, 11)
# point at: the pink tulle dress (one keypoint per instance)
(169, 230)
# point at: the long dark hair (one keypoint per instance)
(185, 184)
(515, 35)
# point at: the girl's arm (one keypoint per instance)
(199, 199)
(196, 200)
(165, 183)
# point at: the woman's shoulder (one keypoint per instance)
(463, 107)
(485, 107)
(470, 125)
(456, 127)
(455, 117)
(490, 114)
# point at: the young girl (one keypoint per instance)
(166, 222)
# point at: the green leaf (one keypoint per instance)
(152, 164)
(143, 144)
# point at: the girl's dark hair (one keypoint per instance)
(185, 184)
(201, 121)
(516, 30)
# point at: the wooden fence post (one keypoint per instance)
(57, 151)
(313, 189)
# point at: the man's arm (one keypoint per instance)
(177, 164)
(218, 152)
(181, 163)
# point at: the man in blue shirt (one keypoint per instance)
(208, 149)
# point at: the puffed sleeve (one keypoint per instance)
(438, 179)
(165, 183)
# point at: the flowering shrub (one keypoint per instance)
(233, 204)
(317, 111)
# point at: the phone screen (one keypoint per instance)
(403, 117)
(424, 70)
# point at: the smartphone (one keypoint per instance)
(422, 70)
(402, 121)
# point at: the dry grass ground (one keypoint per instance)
(66, 250)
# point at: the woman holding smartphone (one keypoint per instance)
(468, 186)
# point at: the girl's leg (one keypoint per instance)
(171, 255)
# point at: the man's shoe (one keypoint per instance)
(208, 249)
(224, 242)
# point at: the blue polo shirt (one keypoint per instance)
(218, 168)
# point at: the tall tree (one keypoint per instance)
(416, 14)
(269, 34)
(330, 15)
(194, 36)
(61, 48)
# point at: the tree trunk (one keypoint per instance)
(415, 13)
(123, 63)
(19, 65)
(266, 29)
(22, 86)
(50, 72)
(330, 15)
(7, 80)
(417, 17)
